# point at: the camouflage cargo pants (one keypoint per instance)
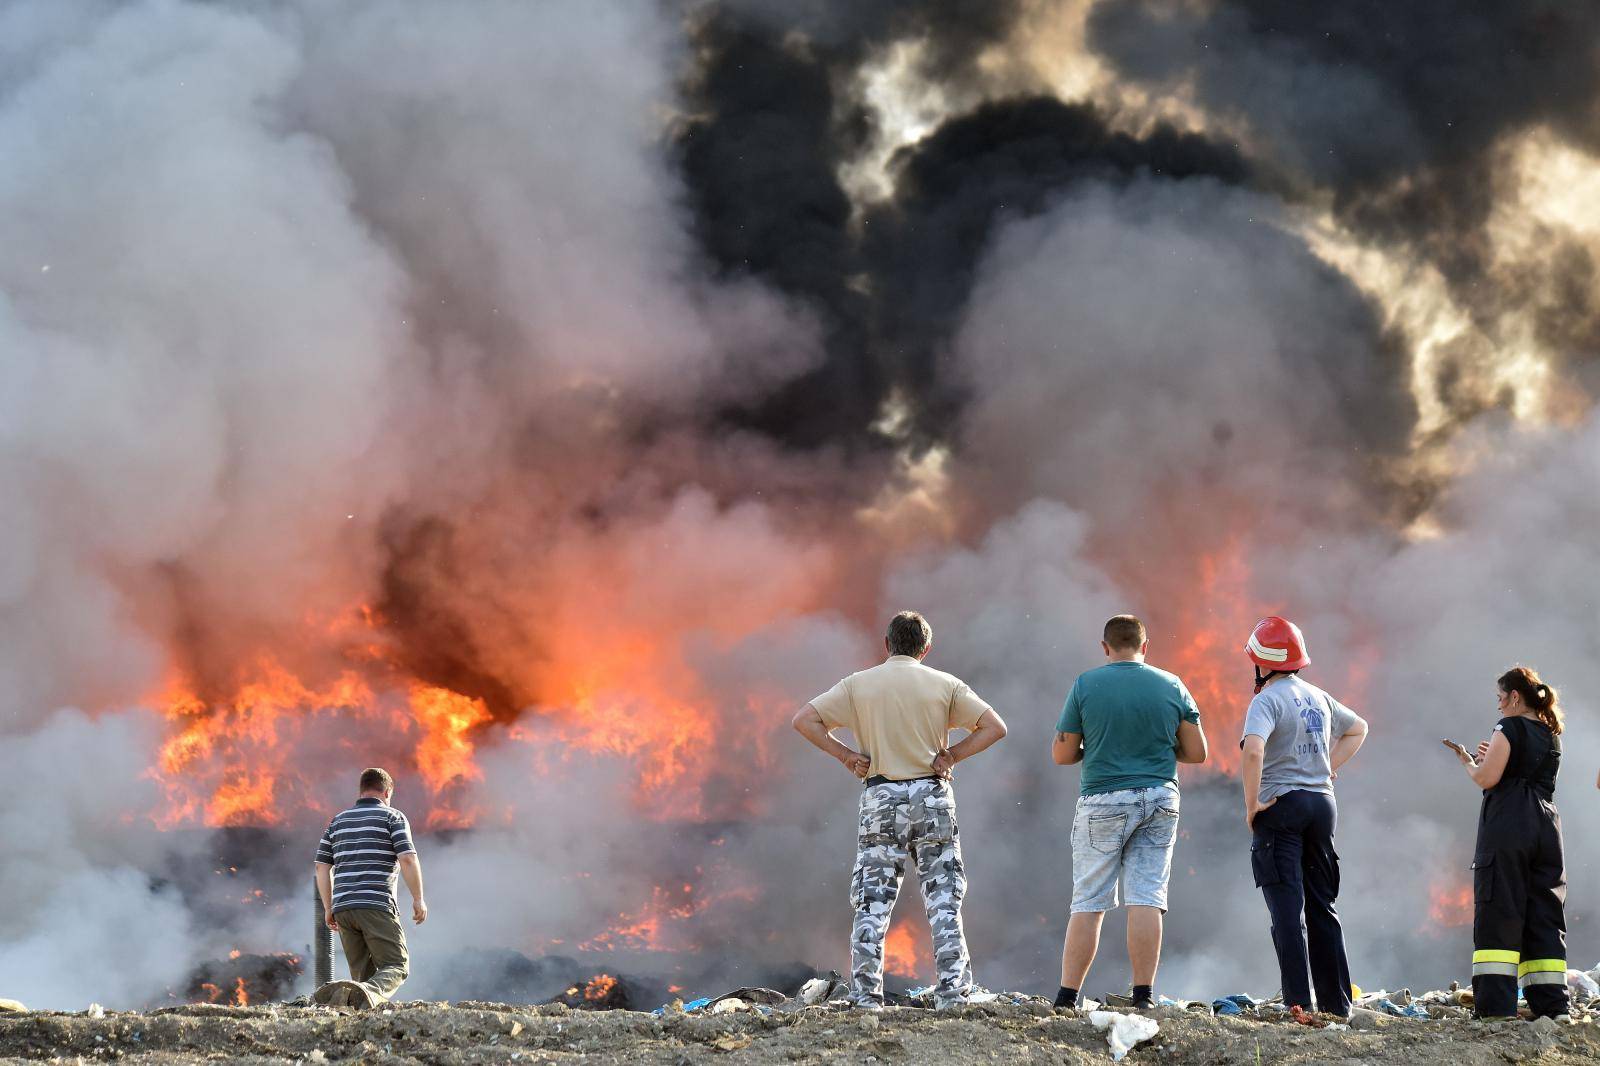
(915, 818)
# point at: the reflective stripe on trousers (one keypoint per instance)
(1494, 962)
(1542, 972)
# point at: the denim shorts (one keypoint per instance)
(1119, 836)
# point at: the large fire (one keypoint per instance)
(265, 747)
(1209, 627)
(904, 953)
(1450, 905)
(240, 757)
(229, 761)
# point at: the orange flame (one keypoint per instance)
(1450, 906)
(232, 748)
(241, 997)
(231, 760)
(1208, 657)
(904, 954)
(599, 987)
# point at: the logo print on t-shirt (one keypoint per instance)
(1312, 716)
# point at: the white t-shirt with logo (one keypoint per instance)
(1299, 723)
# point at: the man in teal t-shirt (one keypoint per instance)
(1130, 725)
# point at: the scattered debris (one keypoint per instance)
(1013, 1029)
(1124, 1031)
(95, 1011)
(820, 989)
(1234, 1004)
(766, 997)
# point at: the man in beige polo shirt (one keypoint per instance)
(901, 713)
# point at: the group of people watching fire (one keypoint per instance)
(1128, 724)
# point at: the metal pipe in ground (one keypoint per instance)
(321, 942)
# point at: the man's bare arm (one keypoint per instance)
(1067, 749)
(990, 729)
(1251, 763)
(324, 876)
(1192, 746)
(411, 870)
(809, 724)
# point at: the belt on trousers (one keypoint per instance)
(879, 779)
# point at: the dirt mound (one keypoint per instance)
(998, 1032)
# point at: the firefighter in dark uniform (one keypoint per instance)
(1519, 926)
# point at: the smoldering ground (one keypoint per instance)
(561, 337)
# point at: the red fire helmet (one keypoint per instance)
(1277, 644)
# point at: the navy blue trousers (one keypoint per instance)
(1297, 870)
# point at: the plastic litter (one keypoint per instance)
(1583, 987)
(1410, 1010)
(1123, 1031)
(822, 989)
(1234, 1004)
(688, 1008)
(1305, 1017)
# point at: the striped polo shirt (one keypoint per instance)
(363, 845)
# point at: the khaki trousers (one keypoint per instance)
(375, 948)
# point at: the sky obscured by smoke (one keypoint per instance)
(562, 335)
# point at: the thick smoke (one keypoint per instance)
(557, 338)
(1406, 117)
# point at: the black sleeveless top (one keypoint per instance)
(1535, 755)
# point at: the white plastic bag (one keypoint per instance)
(1123, 1030)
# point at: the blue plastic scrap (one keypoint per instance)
(688, 1008)
(1410, 1010)
(1234, 1004)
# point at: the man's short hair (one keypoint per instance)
(375, 780)
(909, 634)
(1125, 633)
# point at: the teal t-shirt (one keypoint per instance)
(1128, 714)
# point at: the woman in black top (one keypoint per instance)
(1519, 926)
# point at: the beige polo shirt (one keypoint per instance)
(901, 713)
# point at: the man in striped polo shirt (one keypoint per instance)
(356, 862)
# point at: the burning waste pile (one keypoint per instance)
(243, 979)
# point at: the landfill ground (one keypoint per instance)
(1003, 1032)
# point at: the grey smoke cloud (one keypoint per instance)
(84, 921)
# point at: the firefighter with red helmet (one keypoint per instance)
(1296, 737)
